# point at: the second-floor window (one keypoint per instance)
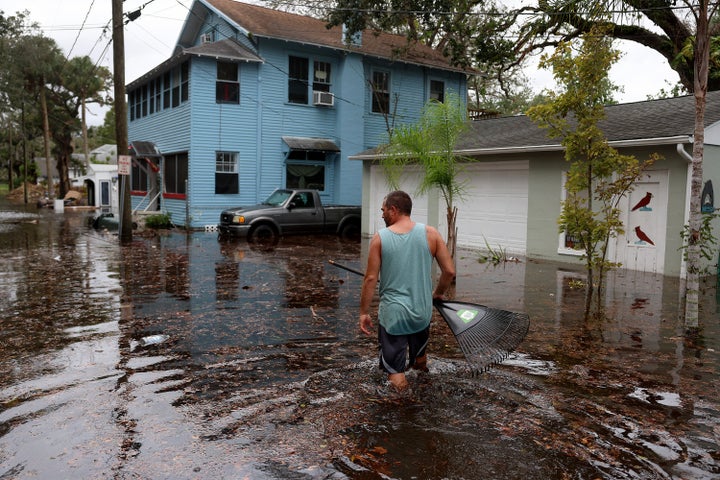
(381, 92)
(321, 77)
(298, 80)
(227, 87)
(167, 91)
(301, 78)
(180, 80)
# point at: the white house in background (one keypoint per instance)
(100, 179)
(101, 187)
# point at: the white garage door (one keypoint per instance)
(494, 207)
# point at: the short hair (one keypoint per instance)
(399, 200)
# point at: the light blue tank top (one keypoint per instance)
(405, 281)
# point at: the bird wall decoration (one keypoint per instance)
(644, 202)
(643, 236)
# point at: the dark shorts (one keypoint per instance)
(394, 349)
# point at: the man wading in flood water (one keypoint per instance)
(401, 257)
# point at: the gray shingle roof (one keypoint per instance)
(652, 119)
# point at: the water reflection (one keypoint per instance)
(180, 356)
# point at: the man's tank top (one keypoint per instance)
(405, 281)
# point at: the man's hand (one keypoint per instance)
(366, 324)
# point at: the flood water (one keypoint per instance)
(184, 357)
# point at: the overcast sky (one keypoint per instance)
(82, 27)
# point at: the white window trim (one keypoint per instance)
(233, 163)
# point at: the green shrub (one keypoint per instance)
(161, 220)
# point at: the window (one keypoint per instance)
(381, 92)
(156, 101)
(175, 87)
(226, 172)
(139, 181)
(184, 82)
(305, 169)
(437, 90)
(151, 97)
(298, 80)
(131, 105)
(321, 77)
(144, 93)
(305, 176)
(166, 90)
(175, 174)
(227, 87)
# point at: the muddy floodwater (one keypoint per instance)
(184, 357)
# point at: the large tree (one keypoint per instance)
(38, 61)
(40, 85)
(496, 38)
(86, 83)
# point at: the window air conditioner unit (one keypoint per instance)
(323, 98)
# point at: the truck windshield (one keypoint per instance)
(278, 197)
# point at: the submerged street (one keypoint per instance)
(184, 357)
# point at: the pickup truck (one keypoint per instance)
(289, 212)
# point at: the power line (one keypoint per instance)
(80, 29)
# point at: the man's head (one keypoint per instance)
(396, 203)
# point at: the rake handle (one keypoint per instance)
(436, 301)
(345, 267)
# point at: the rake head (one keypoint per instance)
(486, 335)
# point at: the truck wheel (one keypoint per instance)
(263, 234)
(350, 231)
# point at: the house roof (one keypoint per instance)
(227, 49)
(264, 22)
(652, 122)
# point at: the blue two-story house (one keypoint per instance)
(255, 99)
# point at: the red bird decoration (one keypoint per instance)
(643, 202)
(643, 236)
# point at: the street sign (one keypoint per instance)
(124, 164)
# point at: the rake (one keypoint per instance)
(486, 335)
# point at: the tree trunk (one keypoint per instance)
(84, 131)
(11, 154)
(46, 142)
(63, 162)
(702, 59)
(452, 232)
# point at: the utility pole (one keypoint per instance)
(121, 134)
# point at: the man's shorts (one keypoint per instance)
(393, 349)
